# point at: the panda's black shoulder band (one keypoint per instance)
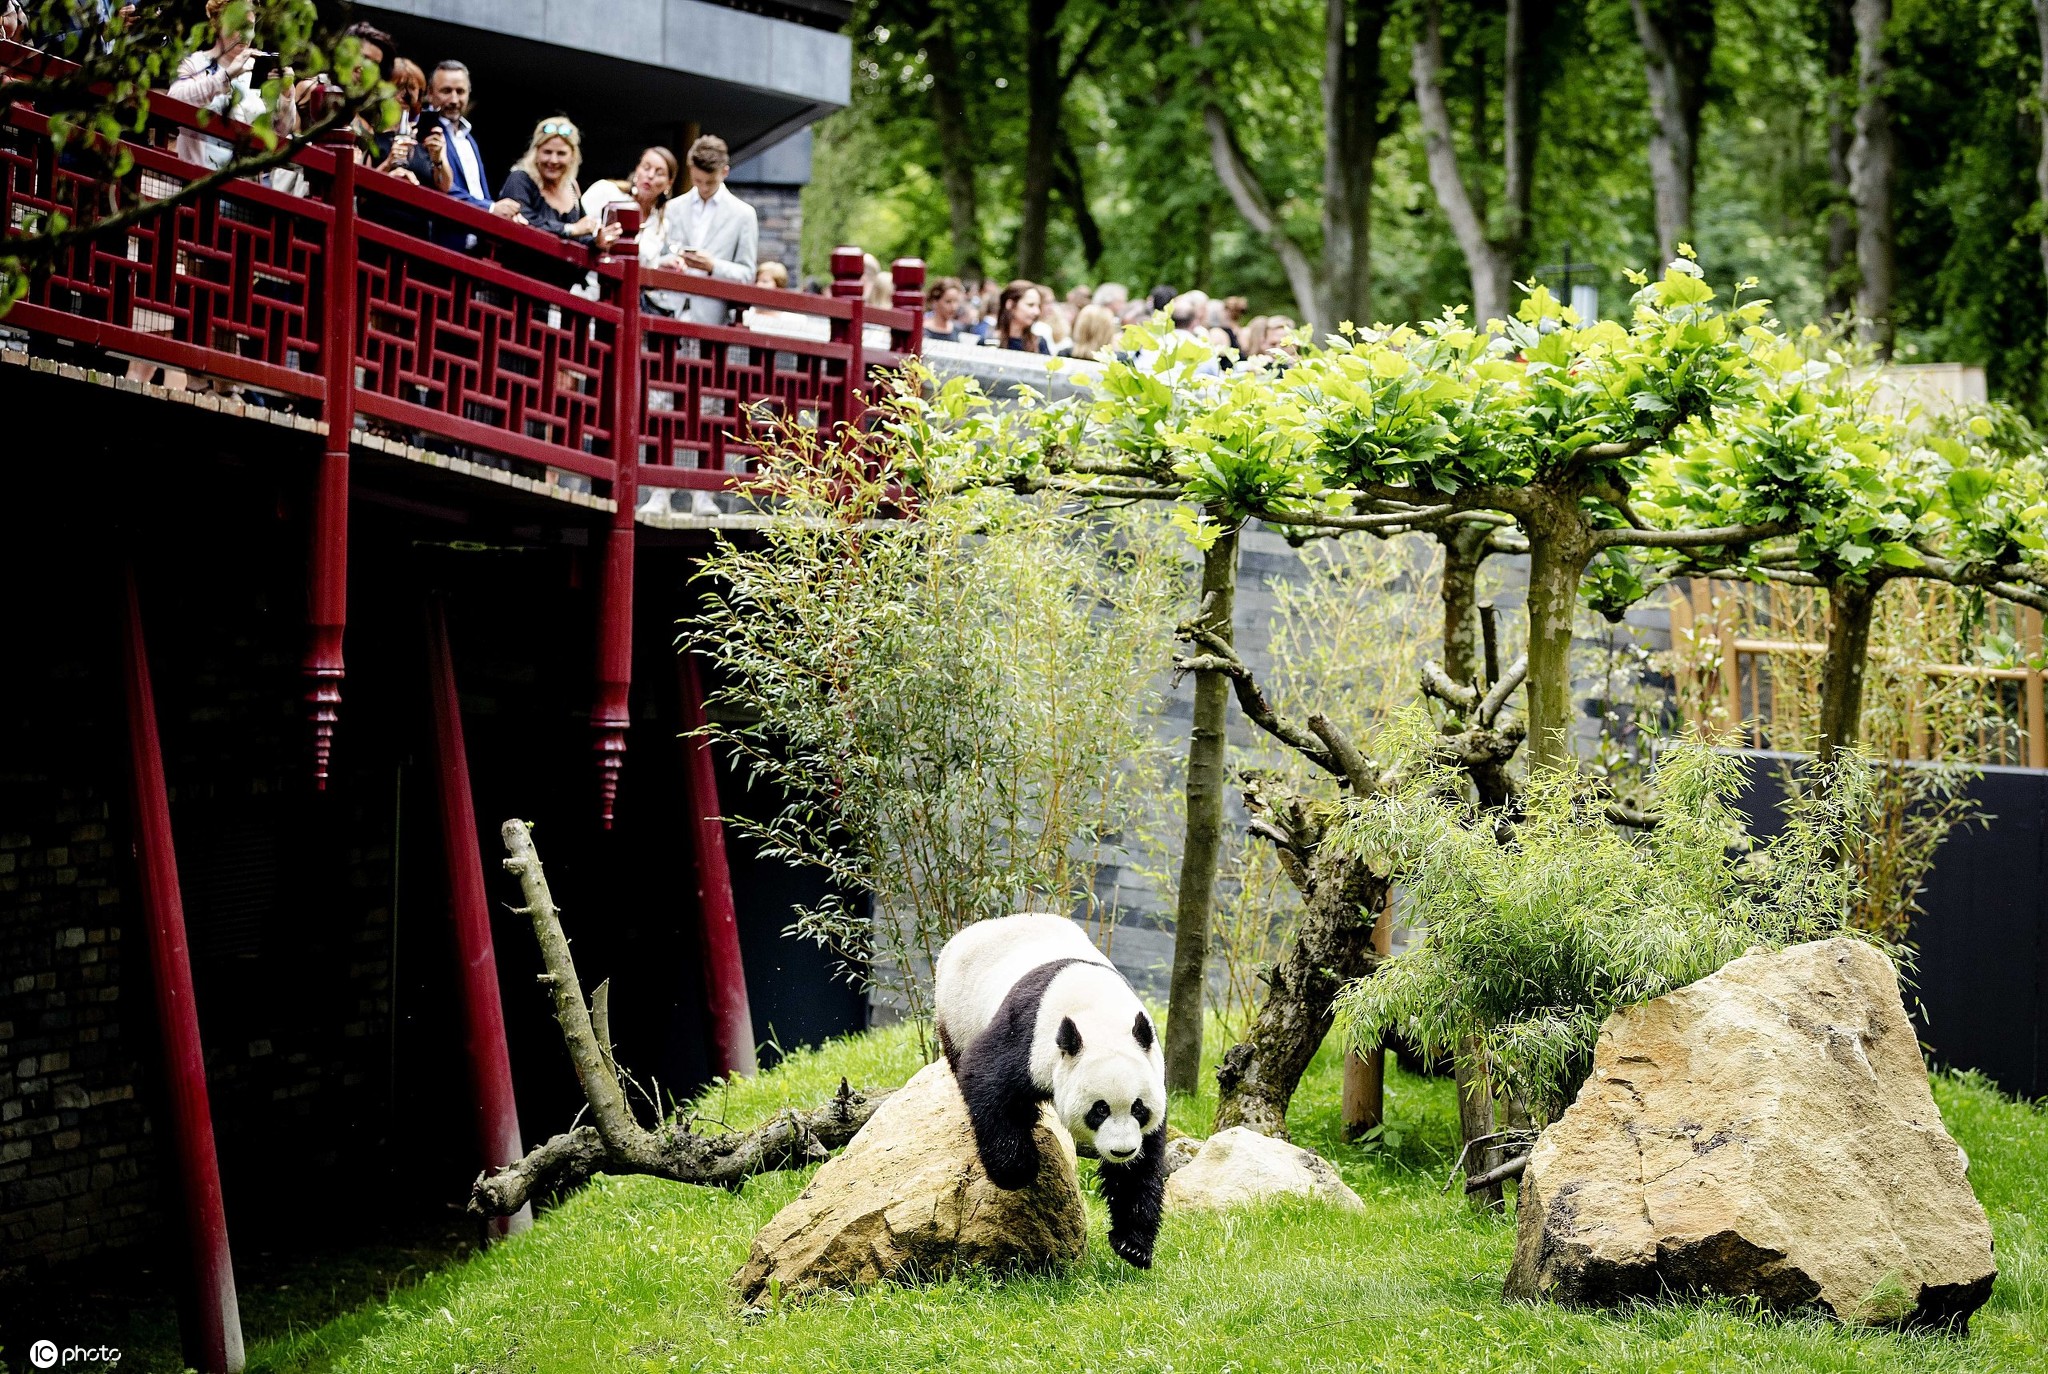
(995, 1079)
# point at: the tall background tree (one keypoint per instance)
(1330, 276)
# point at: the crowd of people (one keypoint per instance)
(1088, 322)
(691, 221)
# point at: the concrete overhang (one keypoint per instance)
(629, 72)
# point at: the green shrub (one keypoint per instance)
(1532, 937)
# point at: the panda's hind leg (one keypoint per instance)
(1136, 1194)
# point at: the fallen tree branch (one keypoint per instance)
(617, 1143)
(1498, 1174)
(727, 1159)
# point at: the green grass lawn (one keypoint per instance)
(631, 1274)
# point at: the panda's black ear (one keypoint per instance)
(1069, 1038)
(1143, 1031)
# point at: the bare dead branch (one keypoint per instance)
(1439, 684)
(1499, 1174)
(624, 1138)
(1503, 689)
(726, 1159)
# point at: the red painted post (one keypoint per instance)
(848, 263)
(212, 1316)
(327, 611)
(907, 277)
(469, 919)
(725, 975)
(610, 715)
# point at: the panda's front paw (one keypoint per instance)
(1010, 1160)
(1133, 1251)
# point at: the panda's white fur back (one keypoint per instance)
(980, 965)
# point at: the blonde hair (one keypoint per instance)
(554, 126)
(1054, 315)
(774, 271)
(1095, 331)
(878, 287)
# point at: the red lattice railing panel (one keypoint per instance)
(227, 283)
(458, 346)
(707, 389)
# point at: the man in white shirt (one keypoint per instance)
(707, 231)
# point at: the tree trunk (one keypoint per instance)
(1489, 260)
(1250, 198)
(1678, 50)
(1333, 946)
(1873, 165)
(1205, 783)
(1475, 1119)
(1558, 554)
(1041, 132)
(2041, 123)
(956, 149)
(1464, 551)
(1521, 94)
(1840, 260)
(1067, 180)
(1351, 141)
(1851, 607)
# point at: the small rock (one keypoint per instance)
(1240, 1166)
(1766, 1131)
(907, 1199)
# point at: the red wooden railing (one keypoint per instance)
(372, 300)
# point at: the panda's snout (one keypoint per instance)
(1120, 1156)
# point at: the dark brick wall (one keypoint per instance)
(780, 212)
(75, 1167)
(317, 922)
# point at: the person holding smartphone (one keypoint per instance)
(217, 79)
(448, 158)
(707, 231)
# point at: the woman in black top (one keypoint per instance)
(1015, 314)
(541, 189)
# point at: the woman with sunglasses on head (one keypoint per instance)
(541, 189)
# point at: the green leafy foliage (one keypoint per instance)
(1532, 937)
(945, 695)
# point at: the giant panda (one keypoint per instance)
(1029, 1011)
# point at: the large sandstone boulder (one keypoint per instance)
(1239, 1166)
(907, 1199)
(1769, 1131)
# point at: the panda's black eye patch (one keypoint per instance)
(1143, 1031)
(1097, 1114)
(1140, 1113)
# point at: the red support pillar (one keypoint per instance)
(610, 715)
(906, 276)
(327, 611)
(212, 1318)
(848, 263)
(725, 976)
(469, 919)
